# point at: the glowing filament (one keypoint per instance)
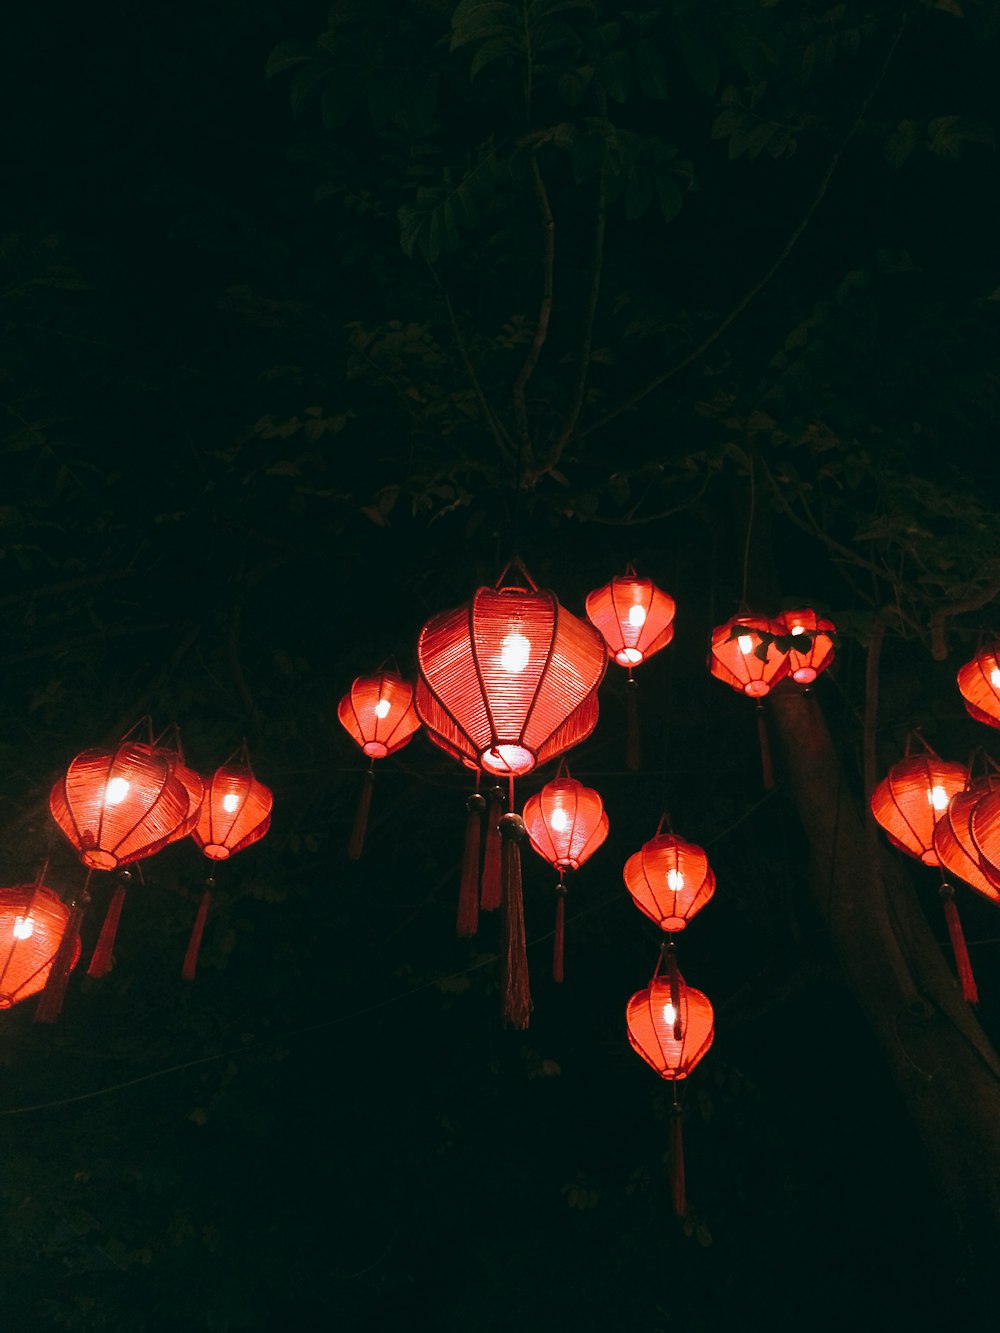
(938, 798)
(230, 802)
(23, 927)
(675, 880)
(995, 677)
(382, 708)
(559, 820)
(670, 1013)
(637, 616)
(514, 652)
(798, 629)
(745, 642)
(116, 791)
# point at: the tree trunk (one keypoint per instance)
(942, 1063)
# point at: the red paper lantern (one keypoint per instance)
(733, 657)
(509, 679)
(634, 617)
(119, 805)
(912, 797)
(979, 686)
(955, 846)
(984, 827)
(671, 1035)
(565, 822)
(33, 920)
(817, 650)
(235, 813)
(670, 880)
(378, 713)
(193, 784)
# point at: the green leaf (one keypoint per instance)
(700, 61)
(615, 75)
(668, 196)
(286, 55)
(651, 70)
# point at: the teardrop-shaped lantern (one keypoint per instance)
(509, 679)
(194, 785)
(670, 880)
(816, 653)
(984, 828)
(953, 842)
(912, 797)
(565, 822)
(634, 617)
(740, 659)
(33, 920)
(378, 713)
(979, 686)
(671, 1037)
(119, 805)
(235, 813)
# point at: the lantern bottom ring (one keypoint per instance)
(505, 758)
(756, 689)
(375, 749)
(215, 851)
(99, 860)
(628, 657)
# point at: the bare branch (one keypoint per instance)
(545, 309)
(504, 443)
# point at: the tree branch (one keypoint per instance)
(939, 642)
(504, 444)
(545, 309)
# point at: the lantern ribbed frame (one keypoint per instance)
(509, 679)
(955, 846)
(984, 829)
(581, 812)
(739, 667)
(903, 802)
(194, 785)
(670, 880)
(614, 612)
(119, 805)
(651, 1027)
(806, 666)
(979, 686)
(25, 962)
(221, 832)
(378, 713)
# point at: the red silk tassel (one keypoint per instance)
(356, 842)
(514, 952)
(491, 890)
(963, 963)
(50, 1002)
(677, 1187)
(633, 742)
(100, 962)
(558, 942)
(190, 966)
(766, 766)
(467, 917)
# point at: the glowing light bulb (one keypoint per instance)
(514, 652)
(670, 1013)
(559, 820)
(230, 802)
(675, 880)
(745, 642)
(995, 677)
(637, 616)
(23, 927)
(798, 629)
(382, 708)
(938, 798)
(116, 791)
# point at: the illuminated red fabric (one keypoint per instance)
(194, 785)
(979, 686)
(816, 656)
(984, 828)
(738, 665)
(235, 813)
(650, 1019)
(912, 797)
(119, 805)
(670, 880)
(566, 822)
(32, 921)
(954, 844)
(509, 679)
(634, 617)
(378, 713)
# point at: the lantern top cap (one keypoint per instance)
(517, 566)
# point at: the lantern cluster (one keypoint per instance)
(753, 653)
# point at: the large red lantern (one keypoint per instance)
(816, 637)
(670, 880)
(743, 659)
(979, 686)
(378, 714)
(912, 797)
(634, 617)
(33, 920)
(565, 823)
(955, 846)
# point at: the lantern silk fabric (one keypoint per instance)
(509, 679)
(565, 822)
(955, 846)
(33, 920)
(633, 616)
(378, 713)
(816, 653)
(733, 657)
(235, 813)
(979, 686)
(651, 1022)
(670, 880)
(912, 797)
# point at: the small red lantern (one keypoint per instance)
(565, 823)
(235, 813)
(634, 617)
(379, 716)
(979, 686)
(955, 846)
(912, 797)
(33, 920)
(739, 658)
(670, 880)
(815, 634)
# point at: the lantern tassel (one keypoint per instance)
(50, 1002)
(633, 742)
(963, 963)
(677, 1187)
(356, 843)
(467, 917)
(514, 952)
(558, 941)
(101, 960)
(766, 766)
(190, 966)
(491, 889)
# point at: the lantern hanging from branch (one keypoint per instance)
(378, 714)
(816, 638)
(565, 823)
(979, 686)
(745, 657)
(670, 880)
(33, 921)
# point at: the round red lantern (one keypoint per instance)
(378, 713)
(912, 797)
(235, 813)
(670, 1027)
(744, 660)
(633, 616)
(979, 686)
(955, 846)
(670, 880)
(119, 805)
(509, 679)
(33, 920)
(815, 635)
